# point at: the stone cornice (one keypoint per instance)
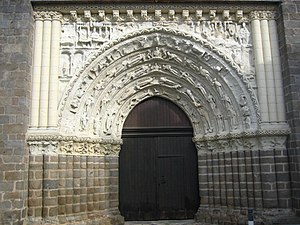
(206, 6)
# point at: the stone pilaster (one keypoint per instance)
(37, 63)
(45, 70)
(54, 70)
(268, 63)
(259, 66)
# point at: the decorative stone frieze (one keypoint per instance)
(250, 140)
(56, 144)
(104, 26)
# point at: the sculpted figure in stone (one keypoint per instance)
(187, 76)
(207, 30)
(109, 121)
(205, 73)
(172, 56)
(230, 109)
(89, 102)
(76, 100)
(219, 33)
(169, 83)
(67, 35)
(65, 65)
(143, 83)
(97, 120)
(201, 88)
(212, 102)
(191, 64)
(207, 124)
(244, 34)
(83, 37)
(190, 94)
(170, 69)
(220, 120)
(218, 86)
(245, 112)
(83, 120)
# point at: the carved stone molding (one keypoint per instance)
(251, 140)
(263, 15)
(57, 144)
(191, 8)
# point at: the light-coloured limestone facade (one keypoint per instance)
(222, 67)
(92, 65)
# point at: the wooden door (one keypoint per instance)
(158, 164)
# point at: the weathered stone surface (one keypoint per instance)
(289, 39)
(16, 38)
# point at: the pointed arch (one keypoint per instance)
(158, 62)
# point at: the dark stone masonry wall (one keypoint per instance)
(16, 38)
(230, 183)
(289, 33)
(67, 189)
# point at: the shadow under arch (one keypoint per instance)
(158, 163)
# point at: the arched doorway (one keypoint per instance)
(158, 163)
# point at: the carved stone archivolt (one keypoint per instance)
(158, 62)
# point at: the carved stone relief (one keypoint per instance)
(52, 145)
(112, 60)
(228, 32)
(102, 96)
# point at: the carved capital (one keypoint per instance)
(263, 15)
(254, 15)
(38, 16)
(47, 15)
(57, 16)
(43, 147)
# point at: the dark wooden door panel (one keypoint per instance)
(171, 187)
(157, 112)
(158, 164)
(138, 179)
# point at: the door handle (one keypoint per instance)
(162, 180)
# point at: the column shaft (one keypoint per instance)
(36, 76)
(260, 70)
(269, 70)
(54, 72)
(44, 91)
(280, 106)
